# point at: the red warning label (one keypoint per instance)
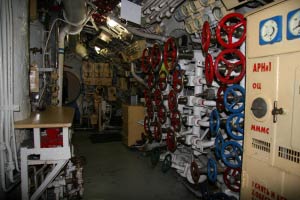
(262, 67)
(260, 192)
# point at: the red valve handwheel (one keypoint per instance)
(232, 179)
(158, 98)
(156, 57)
(99, 18)
(171, 141)
(150, 110)
(209, 69)
(162, 114)
(239, 66)
(170, 54)
(205, 36)
(147, 97)
(220, 96)
(147, 125)
(146, 62)
(151, 80)
(230, 25)
(177, 81)
(172, 100)
(176, 120)
(157, 131)
(162, 81)
(195, 172)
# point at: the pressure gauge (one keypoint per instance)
(217, 12)
(270, 30)
(293, 23)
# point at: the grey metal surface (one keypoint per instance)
(115, 172)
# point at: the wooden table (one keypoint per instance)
(52, 117)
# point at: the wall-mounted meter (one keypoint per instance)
(270, 30)
(293, 23)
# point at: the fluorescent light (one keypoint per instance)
(97, 49)
(111, 22)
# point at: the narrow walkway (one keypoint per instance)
(113, 172)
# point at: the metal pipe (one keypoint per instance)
(139, 79)
(146, 35)
(75, 14)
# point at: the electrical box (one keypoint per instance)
(271, 158)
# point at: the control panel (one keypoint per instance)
(271, 157)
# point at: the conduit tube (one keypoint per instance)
(8, 157)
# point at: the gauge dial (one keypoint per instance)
(270, 30)
(293, 30)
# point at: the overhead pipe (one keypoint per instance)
(76, 15)
(158, 14)
(146, 35)
(139, 79)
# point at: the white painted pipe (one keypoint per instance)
(148, 4)
(169, 10)
(75, 13)
(146, 35)
(139, 79)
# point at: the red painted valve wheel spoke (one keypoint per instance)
(146, 64)
(158, 97)
(171, 141)
(239, 22)
(205, 36)
(170, 54)
(209, 69)
(156, 57)
(176, 120)
(162, 81)
(220, 97)
(162, 114)
(151, 80)
(232, 179)
(231, 66)
(177, 81)
(172, 100)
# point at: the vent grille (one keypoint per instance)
(261, 145)
(289, 154)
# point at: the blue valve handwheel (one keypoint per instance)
(234, 98)
(214, 123)
(212, 170)
(235, 126)
(232, 154)
(219, 141)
